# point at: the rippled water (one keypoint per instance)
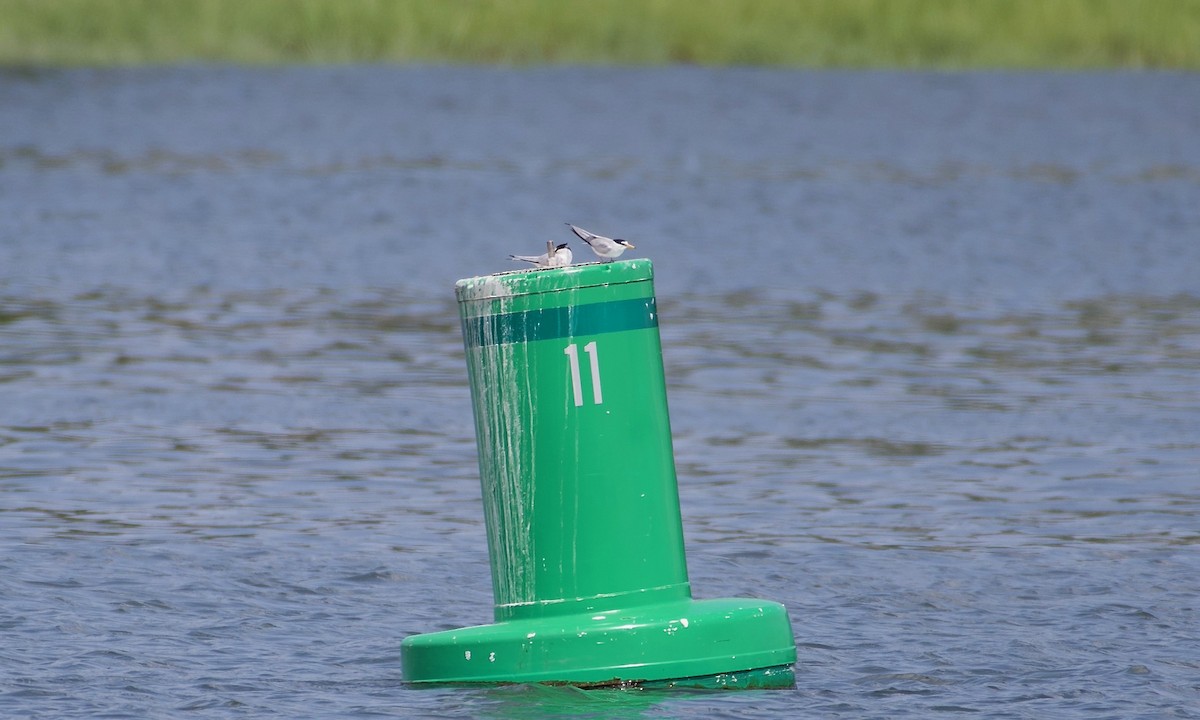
(932, 348)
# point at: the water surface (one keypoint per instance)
(932, 344)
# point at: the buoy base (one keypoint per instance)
(729, 642)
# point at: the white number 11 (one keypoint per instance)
(572, 352)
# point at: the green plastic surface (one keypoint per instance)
(580, 498)
(688, 639)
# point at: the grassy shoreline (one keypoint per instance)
(933, 34)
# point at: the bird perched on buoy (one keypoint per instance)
(608, 249)
(555, 256)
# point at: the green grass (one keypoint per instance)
(943, 34)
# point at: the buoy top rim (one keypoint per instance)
(542, 280)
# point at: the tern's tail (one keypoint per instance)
(582, 234)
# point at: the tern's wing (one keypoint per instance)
(528, 258)
(584, 235)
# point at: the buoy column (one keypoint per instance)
(580, 498)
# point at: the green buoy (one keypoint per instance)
(581, 503)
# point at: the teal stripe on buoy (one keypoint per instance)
(560, 322)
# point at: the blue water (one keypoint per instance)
(932, 346)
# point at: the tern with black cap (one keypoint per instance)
(607, 248)
(555, 256)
